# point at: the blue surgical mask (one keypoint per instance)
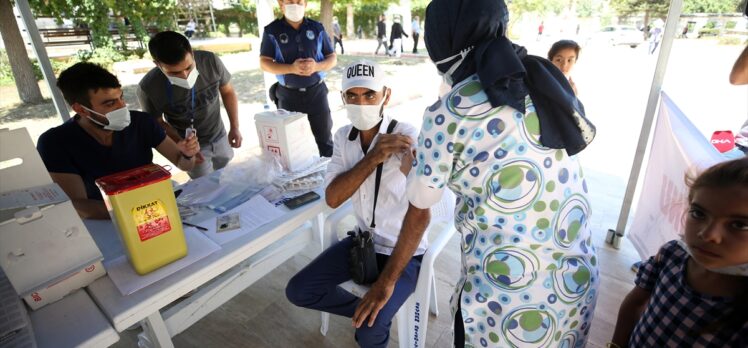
(447, 76)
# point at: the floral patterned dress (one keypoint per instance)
(529, 270)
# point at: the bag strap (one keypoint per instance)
(378, 178)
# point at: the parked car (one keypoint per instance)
(619, 35)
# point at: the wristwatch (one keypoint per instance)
(186, 157)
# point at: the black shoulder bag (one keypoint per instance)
(363, 259)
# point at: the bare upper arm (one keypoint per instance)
(168, 148)
(72, 184)
(226, 89)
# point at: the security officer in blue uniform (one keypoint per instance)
(298, 51)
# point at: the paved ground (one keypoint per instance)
(613, 82)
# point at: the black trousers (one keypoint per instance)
(313, 102)
(339, 41)
(415, 42)
(459, 327)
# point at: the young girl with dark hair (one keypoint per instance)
(694, 292)
(564, 54)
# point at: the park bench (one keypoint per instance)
(130, 36)
(66, 37)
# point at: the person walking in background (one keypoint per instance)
(190, 29)
(381, 35)
(541, 27)
(337, 35)
(683, 34)
(416, 30)
(655, 36)
(396, 37)
(564, 54)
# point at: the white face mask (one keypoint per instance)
(293, 12)
(737, 270)
(364, 117)
(187, 83)
(118, 119)
(448, 75)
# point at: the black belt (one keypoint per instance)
(303, 89)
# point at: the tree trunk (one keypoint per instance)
(349, 26)
(646, 23)
(20, 64)
(325, 14)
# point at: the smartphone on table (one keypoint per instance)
(298, 201)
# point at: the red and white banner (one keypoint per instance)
(677, 148)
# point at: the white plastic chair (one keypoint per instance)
(411, 321)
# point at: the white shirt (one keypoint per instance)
(415, 27)
(391, 202)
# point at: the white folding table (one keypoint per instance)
(74, 321)
(219, 277)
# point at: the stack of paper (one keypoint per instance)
(127, 281)
(15, 330)
(252, 214)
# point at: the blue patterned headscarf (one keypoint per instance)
(508, 74)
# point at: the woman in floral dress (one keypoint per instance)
(529, 270)
(502, 137)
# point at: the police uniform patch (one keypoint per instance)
(283, 38)
(310, 34)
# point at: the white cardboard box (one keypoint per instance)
(288, 135)
(58, 288)
(43, 248)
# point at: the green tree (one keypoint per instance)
(365, 13)
(517, 8)
(521, 8)
(587, 8)
(650, 8)
(17, 59)
(243, 13)
(659, 8)
(711, 6)
(95, 14)
(361, 8)
(655, 8)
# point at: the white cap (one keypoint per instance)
(363, 73)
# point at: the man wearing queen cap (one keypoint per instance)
(372, 138)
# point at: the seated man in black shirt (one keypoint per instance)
(103, 138)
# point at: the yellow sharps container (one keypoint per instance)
(143, 208)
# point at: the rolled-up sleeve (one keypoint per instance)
(433, 164)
